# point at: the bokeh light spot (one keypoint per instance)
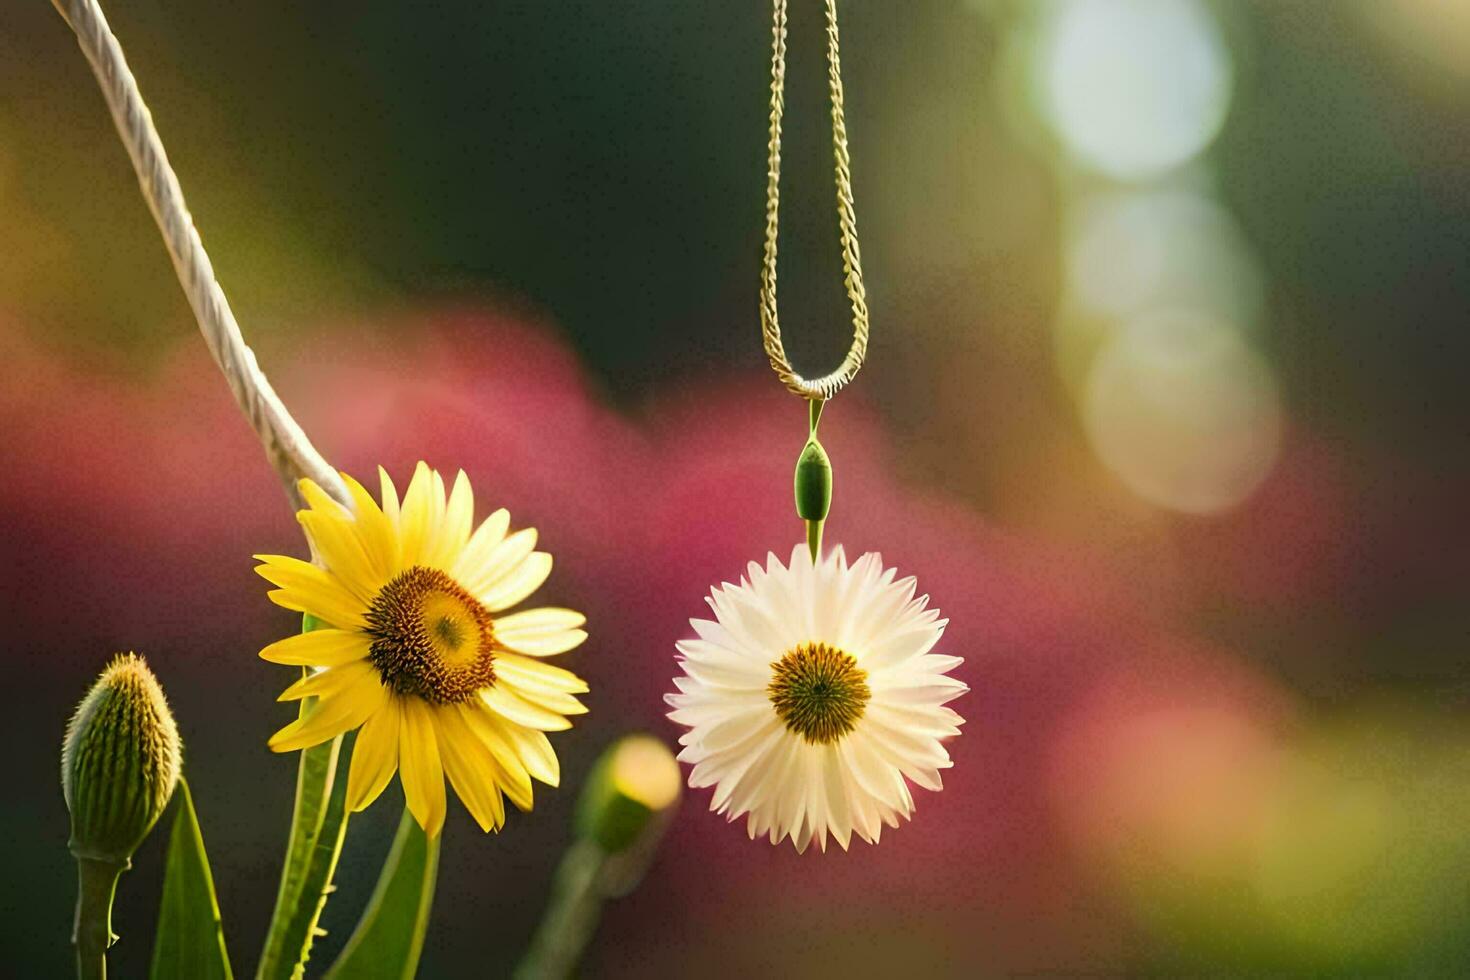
(644, 769)
(1183, 412)
(1132, 88)
(1131, 253)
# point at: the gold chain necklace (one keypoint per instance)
(813, 467)
(822, 388)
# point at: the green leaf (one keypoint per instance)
(190, 944)
(390, 936)
(318, 823)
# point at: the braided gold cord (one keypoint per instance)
(825, 387)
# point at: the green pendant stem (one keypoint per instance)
(814, 539)
(92, 931)
(815, 524)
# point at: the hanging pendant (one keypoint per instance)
(814, 697)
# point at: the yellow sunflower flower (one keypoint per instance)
(416, 652)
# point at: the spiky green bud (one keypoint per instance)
(119, 763)
(635, 780)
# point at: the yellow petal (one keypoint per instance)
(546, 619)
(540, 632)
(374, 756)
(470, 769)
(511, 589)
(500, 561)
(553, 701)
(319, 500)
(420, 768)
(527, 673)
(546, 645)
(415, 523)
(506, 703)
(341, 550)
(378, 534)
(334, 608)
(328, 683)
(511, 773)
(390, 500)
(331, 717)
(296, 575)
(473, 562)
(436, 517)
(319, 648)
(535, 751)
(454, 525)
(529, 684)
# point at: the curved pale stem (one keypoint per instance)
(315, 843)
(290, 452)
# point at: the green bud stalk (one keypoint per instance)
(634, 781)
(120, 762)
(621, 815)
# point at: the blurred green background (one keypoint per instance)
(1170, 303)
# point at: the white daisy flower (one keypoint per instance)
(812, 695)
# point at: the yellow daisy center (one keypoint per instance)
(431, 638)
(819, 692)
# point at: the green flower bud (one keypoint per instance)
(813, 482)
(635, 780)
(119, 763)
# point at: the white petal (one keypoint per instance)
(783, 785)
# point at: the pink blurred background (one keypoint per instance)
(1115, 754)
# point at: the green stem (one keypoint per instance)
(814, 528)
(92, 931)
(318, 824)
(570, 919)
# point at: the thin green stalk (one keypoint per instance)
(618, 829)
(571, 917)
(92, 931)
(318, 824)
(814, 482)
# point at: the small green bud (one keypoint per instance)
(813, 482)
(119, 763)
(635, 780)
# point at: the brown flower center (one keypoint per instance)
(819, 692)
(431, 638)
